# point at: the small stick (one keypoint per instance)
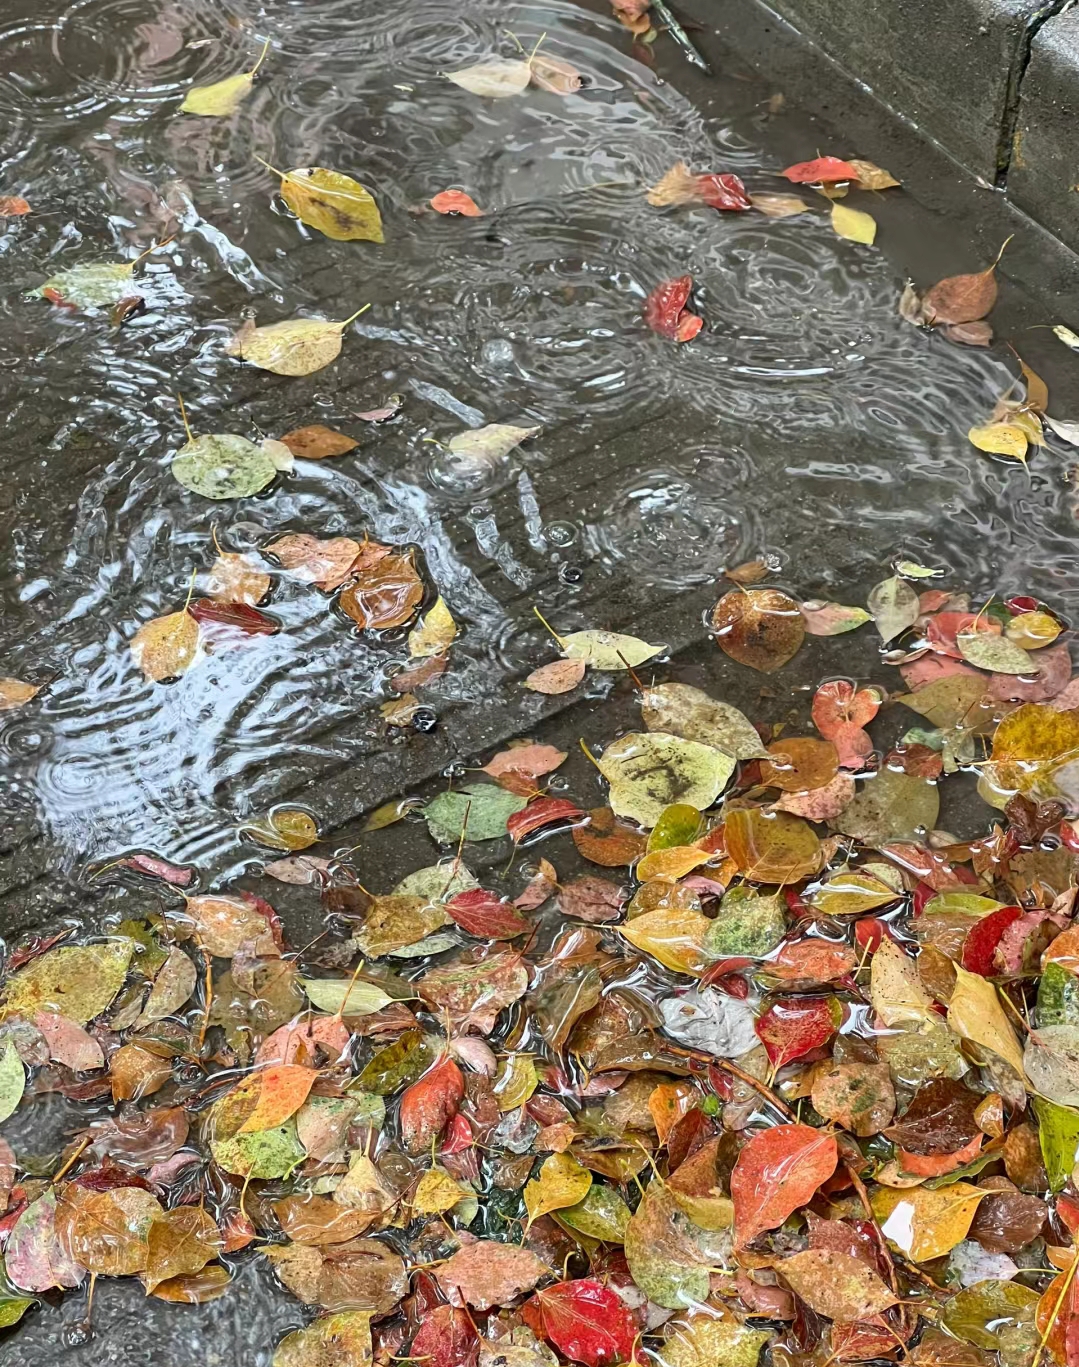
(72, 1160)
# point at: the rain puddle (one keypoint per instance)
(807, 425)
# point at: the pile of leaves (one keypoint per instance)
(789, 1068)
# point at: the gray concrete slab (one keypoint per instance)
(1044, 167)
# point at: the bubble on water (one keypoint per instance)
(498, 352)
(560, 533)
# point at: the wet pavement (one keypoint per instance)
(807, 423)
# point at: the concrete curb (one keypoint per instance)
(993, 83)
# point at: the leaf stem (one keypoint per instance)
(354, 317)
(1056, 1312)
(154, 246)
(560, 639)
(283, 174)
(262, 57)
(183, 414)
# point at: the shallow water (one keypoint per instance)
(807, 422)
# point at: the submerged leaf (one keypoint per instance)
(487, 445)
(223, 97)
(649, 771)
(497, 77)
(854, 224)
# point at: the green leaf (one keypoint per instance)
(601, 1215)
(13, 1309)
(1058, 1132)
(1058, 996)
(995, 653)
(328, 994)
(262, 1154)
(88, 287)
(978, 1314)
(649, 771)
(967, 903)
(891, 806)
(490, 444)
(679, 825)
(480, 811)
(223, 465)
(747, 924)
(12, 1079)
(894, 605)
(396, 1064)
(78, 981)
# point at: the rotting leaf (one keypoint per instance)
(223, 465)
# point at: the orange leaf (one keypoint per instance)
(282, 1090)
(456, 202)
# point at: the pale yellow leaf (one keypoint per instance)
(437, 1192)
(14, 693)
(1000, 439)
(297, 346)
(435, 634)
(896, 989)
(854, 224)
(975, 1014)
(562, 1182)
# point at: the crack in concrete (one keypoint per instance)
(1013, 102)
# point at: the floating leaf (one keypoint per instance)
(649, 771)
(747, 924)
(682, 710)
(676, 938)
(341, 1340)
(761, 628)
(223, 465)
(334, 204)
(456, 202)
(428, 1105)
(871, 177)
(854, 224)
(236, 578)
(821, 171)
(894, 605)
(923, 1223)
(385, 595)
(223, 97)
(585, 1320)
(891, 806)
(88, 287)
(12, 1079)
(1058, 1137)
(607, 649)
(178, 1243)
(560, 676)
(665, 311)
(858, 1096)
(279, 1091)
(324, 563)
(779, 206)
(173, 986)
(790, 1028)
(996, 653)
(165, 647)
(13, 206)
(602, 1214)
(850, 893)
(263, 1155)
(799, 764)
(607, 841)
(298, 346)
(982, 1313)
(487, 1273)
(832, 619)
(975, 1014)
(497, 77)
(555, 74)
(561, 1182)
(437, 1192)
(777, 1171)
(773, 848)
(1000, 439)
(486, 446)
(480, 812)
(14, 694)
(317, 442)
(963, 298)
(78, 981)
(706, 1338)
(435, 634)
(836, 1284)
(34, 1258)
(106, 1231)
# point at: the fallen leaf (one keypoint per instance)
(675, 937)
(832, 619)
(478, 812)
(836, 1285)
(179, 1242)
(821, 171)
(68, 1043)
(326, 564)
(777, 1171)
(498, 77)
(223, 465)
(318, 442)
(561, 1182)
(487, 1273)
(682, 710)
(891, 806)
(34, 1258)
(435, 634)
(13, 206)
(585, 1320)
(166, 647)
(606, 649)
(975, 1014)
(12, 1079)
(560, 676)
(761, 628)
(894, 606)
(234, 578)
(665, 310)
(1000, 439)
(486, 446)
(223, 97)
(457, 202)
(77, 981)
(704, 1018)
(342, 1340)
(385, 595)
(995, 653)
(779, 206)
(964, 298)
(704, 1338)
(297, 346)
(924, 1223)
(854, 224)
(14, 694)
(106, 1231)
(649, 771)
(334, 204)
(771, 848)
(871, 177)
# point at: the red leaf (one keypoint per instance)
(487, 915)
(446, 1338)
(795, 1026)
(230, 624)
(778, 1171)
(585, 1320)
(429, 1104)
(820, 171)
(155, 867)
(542, 812)
(723, 192)
(665, 311)
(458, 1136)
(839, 714)
(456, 202)
(983, 938)
(869, 932)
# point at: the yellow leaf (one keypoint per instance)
(332, 203)
(926, 1224)
(562, 1182)
(298, 346)
(673, 936)
(437, 1192)
(1029, 744)
(678, 186)
(975, 1014)
(515, 1082)
(1000, 439)
(671, 864)
(166, 646)
(779, 206)
(1032, 630)
(649, 771)
(853, 224)
(435, 634)
(896, 990)
(223, 97)
(701, 1339)
(14, 693)
(872, 177)
(849, 893)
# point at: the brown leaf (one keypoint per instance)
(236, 579)
(308, 1219)
(554, 74)
(317, 442)
(14, 694)
(607, 840)
(134, 1073)
(362, 1274)
(165, 647)
(761, 628)
(836, 1285)
(487, 1273)
(106, 1231)
(963, 298)
(385, 595)
(13, 206)
(560, 676)
(195, 1288)
(180, 1242)
(326, 564)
